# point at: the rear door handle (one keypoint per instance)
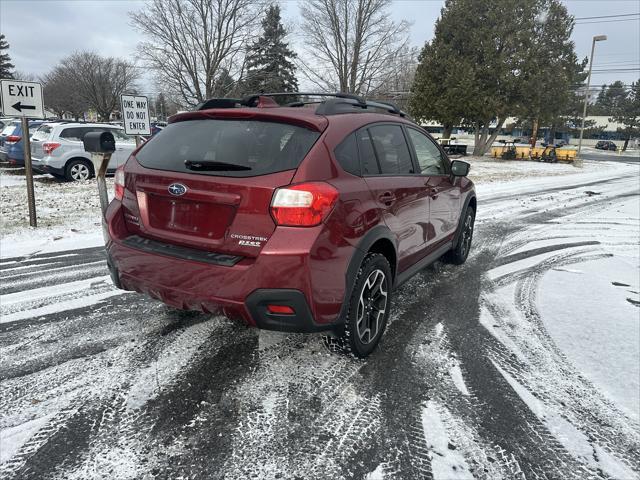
(387, 198)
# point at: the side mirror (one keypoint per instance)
(99, 142)
(460, 168)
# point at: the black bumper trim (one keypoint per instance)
(301, 322)
(183, 253)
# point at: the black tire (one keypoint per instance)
(78, 170)
(370, 299)
(458, 254)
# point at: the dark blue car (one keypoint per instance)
(11, 143)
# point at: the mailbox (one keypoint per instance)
(99, 142)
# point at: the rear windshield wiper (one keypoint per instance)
(207, 165)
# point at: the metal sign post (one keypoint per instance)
(24, 100)
(28, 171)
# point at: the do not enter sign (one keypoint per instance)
(135, 114)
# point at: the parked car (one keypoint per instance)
(11, 142)
(57, 148)
(606, 145)
(292, 219)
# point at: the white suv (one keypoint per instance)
(57, 148)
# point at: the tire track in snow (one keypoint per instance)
(113, 375)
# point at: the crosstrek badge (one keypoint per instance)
(249, 240)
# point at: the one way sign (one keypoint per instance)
(21, 99)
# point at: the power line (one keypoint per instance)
(630, 62)
(609, 21)
(609, 16)
(612, 70)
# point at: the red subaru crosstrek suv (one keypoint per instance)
(302, 218)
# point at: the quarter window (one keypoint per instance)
(367, 155)
(391, 149)
(347, 155)
(428, 154)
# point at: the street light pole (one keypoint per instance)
(596, 38)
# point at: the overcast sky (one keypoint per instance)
(41, 32)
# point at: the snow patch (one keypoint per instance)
(377, 474)
(576, 442)
(447, 463)
(84, 301)
(13, 438)
(458, 380)
(576, 313)
(149, 381)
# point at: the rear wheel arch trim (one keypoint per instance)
(362, 249)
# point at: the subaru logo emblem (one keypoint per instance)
(177, 189)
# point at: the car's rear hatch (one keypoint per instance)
(41, 135)
(208, 183)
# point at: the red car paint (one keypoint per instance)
(231, 216)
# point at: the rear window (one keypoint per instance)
(231, 148)
(9, 129)
(42, 133)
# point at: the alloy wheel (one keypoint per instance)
(372, 306)
(80, 172)
(467, 234)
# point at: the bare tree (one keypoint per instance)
(397, 85)
(100, 80)
(351, 45)
(191, 42)
(24, 76)
(61, 93)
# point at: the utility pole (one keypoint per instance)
(597, 38)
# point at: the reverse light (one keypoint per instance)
(280, 309)
(11, 139)
(303, 205)
(119, 182)
(49, 147)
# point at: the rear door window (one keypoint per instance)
(233, 148)
(391, 149)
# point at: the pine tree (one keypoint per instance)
(5, 59)
(486, 62)
(269, 59)
(625, 109)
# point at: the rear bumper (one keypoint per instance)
(238, 289)
(41, 166)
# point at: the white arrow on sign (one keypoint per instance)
(21, 99)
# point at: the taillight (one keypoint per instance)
(49, 147)
(13, 139)
(119, 182)
(303, 205)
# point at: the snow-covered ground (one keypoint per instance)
(521, 364)
(592, 309)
